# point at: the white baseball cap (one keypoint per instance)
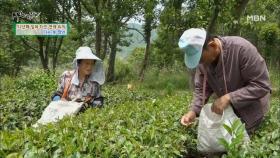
(191, 42)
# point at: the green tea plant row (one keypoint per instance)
(23, 100)
(143, 128)
(136, 123)
(133, 123)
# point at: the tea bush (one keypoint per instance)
(23, 99)
(144, 129)
(132, 124)
(142, 122)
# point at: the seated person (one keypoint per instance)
(83, 83)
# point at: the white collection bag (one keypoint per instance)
(56, 110)
(210, 129)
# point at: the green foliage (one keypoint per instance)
(143, 122)
(23, 100)
(275, 82)
(166, 80)
(270, 33)
(263, 34)
(266, 142)
(39, 80)
(5, 63)
(233, 146)
(136, 57)
(132, 124)
(124, 71)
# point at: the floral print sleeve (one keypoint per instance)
(77, 92)
(66, 75)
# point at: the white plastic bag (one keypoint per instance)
(56, 110)
(210, 129)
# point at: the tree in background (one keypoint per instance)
(44, 46)
(119, 13)
(13, 52)
(103, 25)
(150, 18)
(264, 34)
(169, 30)
(95, 9)
(178, 16)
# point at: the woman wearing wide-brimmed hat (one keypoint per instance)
(82, 84)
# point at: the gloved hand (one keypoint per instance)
(56, 98)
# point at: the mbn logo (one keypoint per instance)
(256, 18)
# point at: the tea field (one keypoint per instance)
(140, 122)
